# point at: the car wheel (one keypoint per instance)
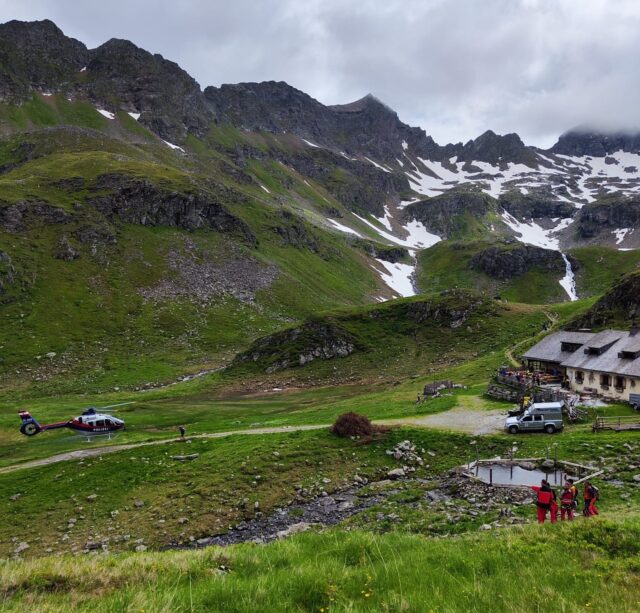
(513, 429)
(550, 429)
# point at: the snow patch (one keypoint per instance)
(166, 142)
(83, 69)
(418, 235)
(621, 234)
(135, 116)
(107, 114)
(345, 229)
(398, 277)
(386, 220)
(264, 188)
(47, 94)
(311, 144)
(377, 165)
(531, 233)
(405, 146)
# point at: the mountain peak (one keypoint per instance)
(495, 148)
(366, 103)
(582, 140)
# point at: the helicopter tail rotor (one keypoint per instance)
(30, 425)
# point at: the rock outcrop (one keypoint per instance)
(505, 262)
(535, 205)
(7, 272)
(608, 214)
(139, 201)
(16, 217)
(299, 346)
(620, 306)
(441, 214)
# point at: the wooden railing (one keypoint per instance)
(626, 422)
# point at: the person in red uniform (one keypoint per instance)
(545, 501)
(566, 503)
(590, 497)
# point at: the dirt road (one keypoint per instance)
(460, 418)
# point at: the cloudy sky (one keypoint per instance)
(454, 67)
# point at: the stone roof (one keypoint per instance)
(549, 349)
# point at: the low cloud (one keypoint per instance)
(454, 67)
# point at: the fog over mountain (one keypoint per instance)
(535, 67)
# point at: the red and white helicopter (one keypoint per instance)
(90, 422)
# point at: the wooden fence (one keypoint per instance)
(626, 422)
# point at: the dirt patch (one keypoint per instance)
(459, 419)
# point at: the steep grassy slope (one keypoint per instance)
(154, 262)
(353, 571)
(450, 264)
(619, 307)
(599, 268)
(435, 332)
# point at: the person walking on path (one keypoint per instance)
(182, 431)
(544, 501)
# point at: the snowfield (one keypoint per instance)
(398, 276)
(577, 180)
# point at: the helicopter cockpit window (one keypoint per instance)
(100, 423)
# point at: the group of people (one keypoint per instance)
(547, 501)
(523, 377)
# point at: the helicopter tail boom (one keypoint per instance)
(30, 425)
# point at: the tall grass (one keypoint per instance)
(581, 567)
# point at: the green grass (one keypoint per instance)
(446, 265)
(600, 267)
(207, 491)
(516, 570)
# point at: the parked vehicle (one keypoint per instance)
(634, 399)
(539, 417)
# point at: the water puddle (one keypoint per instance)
(500, 474)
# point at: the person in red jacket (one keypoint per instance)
(566, 503)
(545, 501)
(590, 497)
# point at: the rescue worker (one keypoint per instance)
(566, 503)
(544, 501)
(574, 491)
(590, 497)
(554, 507)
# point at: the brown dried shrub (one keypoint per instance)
(352, 424)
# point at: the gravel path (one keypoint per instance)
(460, 419)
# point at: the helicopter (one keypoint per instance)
(90, 422)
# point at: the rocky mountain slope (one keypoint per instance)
(140, 207)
